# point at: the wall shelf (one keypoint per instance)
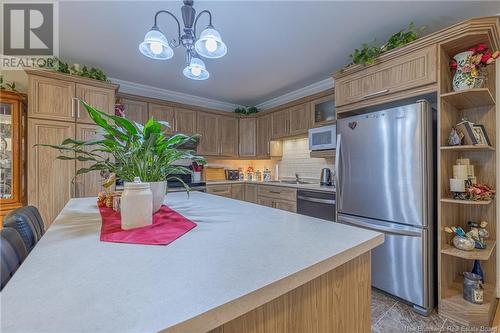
(468, 148)
(475, 254)
(466, 202)
(470, 98)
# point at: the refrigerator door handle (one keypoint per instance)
(403, 231)
(337, 174)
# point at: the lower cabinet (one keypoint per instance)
(251, 193)
(289, 206)
(223, 190)
(265, 202)
(238, 191)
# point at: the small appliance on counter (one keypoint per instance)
(232, 175)
(326, 177)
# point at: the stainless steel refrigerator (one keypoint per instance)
(384, 175)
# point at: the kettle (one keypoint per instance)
(326, 177)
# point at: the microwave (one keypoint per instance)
(323, 138)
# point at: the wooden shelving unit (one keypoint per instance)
(478, 106)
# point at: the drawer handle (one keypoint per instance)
(275, 192)
(217, 191)
(377, 93)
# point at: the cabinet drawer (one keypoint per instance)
(277, 192)
(238, 191)
(409, 71)
(286, 205)
(222, 190)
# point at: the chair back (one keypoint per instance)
(13, 252)
(28, 222)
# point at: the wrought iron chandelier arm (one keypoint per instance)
(173, 42)
(198, 16)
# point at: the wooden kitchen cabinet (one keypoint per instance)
(286, 205)
(162, 113)
(135, 110)
(238, 191)
(51, 98)
(265, 202)
(280, 121)
(247, 137)
(300, 117)
(322, 111)
(283, 198)
(185, 121)
(50, 181)
(88, 184)
(223, 190)
(264, 134)
(207, 129)
(100, 98)
(251, 192)
(411, 70)
(227, 129)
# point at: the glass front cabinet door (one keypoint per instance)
(323, 111)
(12, 173)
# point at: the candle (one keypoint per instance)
(463, 161)
(460, 171)
(470, 171)
(457, 185)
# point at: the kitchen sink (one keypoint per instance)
(298, 182)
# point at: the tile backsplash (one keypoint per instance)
(296, 159)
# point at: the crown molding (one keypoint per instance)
(299, 93)
(173, 96)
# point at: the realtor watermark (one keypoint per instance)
(30, 34)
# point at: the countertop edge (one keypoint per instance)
(308, 187)
(222, 314)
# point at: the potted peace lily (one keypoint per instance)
(127, 149)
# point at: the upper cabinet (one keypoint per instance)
(299, 119)
(207, 129)
(264, 133)
(323, 111)
(185, 121)
(162, 113)
(247, 141)
(135, 110)
(101, 99)
(386, 78)
(228, 136)
(279, 122)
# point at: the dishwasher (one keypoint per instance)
(316, 204)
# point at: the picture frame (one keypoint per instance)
(466, 132)
(481, 135)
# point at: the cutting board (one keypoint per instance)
(215, 174)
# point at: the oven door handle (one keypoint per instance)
(317, 200)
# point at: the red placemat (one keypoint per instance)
(168, 225)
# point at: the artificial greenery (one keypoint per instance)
(60, 66)
(367, 54)
(136, 150)
(4, 85)
(246, 111)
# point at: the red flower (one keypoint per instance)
(481, 47)
(485, 58)
(453, 65)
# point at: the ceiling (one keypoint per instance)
(274, 47)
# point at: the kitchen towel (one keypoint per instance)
(168, 225)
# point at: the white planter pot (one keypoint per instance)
(159, 190)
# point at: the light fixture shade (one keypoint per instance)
(210, 44)
(196, 70)
(155, 45)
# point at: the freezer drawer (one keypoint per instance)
(401, 266)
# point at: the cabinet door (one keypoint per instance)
(100, 98)
(50, 181)
(286, 205)
(223, 190)
(265, 202)
(135, 110)
(238, 191)
(247, 137)
(163, 113)
(228, 136)
(88, 184)
(280, 121)
(185, 121)
(299, 119)
(323, 111)
(251, 193)
(207, 129)
(51, 99)
(264, 128)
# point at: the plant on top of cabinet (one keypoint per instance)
(57, 65)
(367, 54)
(4, 85)
(138, 150)
(246, 111)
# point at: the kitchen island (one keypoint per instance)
(244, 268)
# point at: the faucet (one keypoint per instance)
(297, 179)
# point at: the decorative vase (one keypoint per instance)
(463, 243)
(159, 190)
(476, 269)
(463, 79)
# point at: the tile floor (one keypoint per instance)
(392, 316)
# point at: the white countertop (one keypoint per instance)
(240, 256)
(312, 187)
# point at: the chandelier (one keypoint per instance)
(209, 44)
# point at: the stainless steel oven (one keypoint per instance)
(316, 204)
